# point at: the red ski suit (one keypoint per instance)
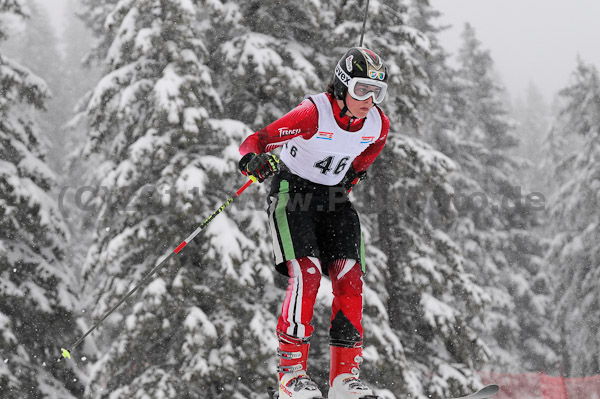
(305, 272)
(303, 121)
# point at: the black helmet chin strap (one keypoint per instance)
(344, 109)
(343, 113)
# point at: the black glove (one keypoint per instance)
(260, 166)
(352, 178)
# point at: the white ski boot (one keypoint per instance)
(348, 386)
(294, 383)
(343, 375)
(298, 385)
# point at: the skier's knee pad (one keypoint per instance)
(308, 269)
(346, 319)
(346, 277)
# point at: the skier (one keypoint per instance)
(328, 142)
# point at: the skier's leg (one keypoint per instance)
(346, 332)
(346, 312)
(303, 285)
(294, 329)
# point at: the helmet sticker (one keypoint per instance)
(342, 75)
(372, 58)
(377, 75)
(349, 63)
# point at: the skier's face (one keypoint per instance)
(359, 108)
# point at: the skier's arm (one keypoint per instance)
(361, 163)
(300, 121)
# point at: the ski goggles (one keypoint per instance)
(363, 88)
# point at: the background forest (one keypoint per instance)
(118, 140)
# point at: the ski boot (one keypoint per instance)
(294, 383)
(343, 375)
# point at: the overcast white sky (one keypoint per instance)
(529, 40)
(56, 9)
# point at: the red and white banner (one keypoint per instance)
(542, 386)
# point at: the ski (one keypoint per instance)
(484, 393)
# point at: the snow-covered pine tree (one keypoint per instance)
(483, 115)
(230, 315)
(168, 163)
(495, 215)
(428, 296)
(304, 60)
(387, 365)
(83, 72)
(574, 253)
(533, 115)
(268, 51)
(37, 300)
(273, 55)
(558, 150)
(37, 48)
(79, 76)
(253, 52)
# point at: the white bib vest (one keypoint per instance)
(326, 157)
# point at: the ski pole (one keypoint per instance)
(362, 33)
(66, 353)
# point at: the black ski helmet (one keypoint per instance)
(357, 62)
